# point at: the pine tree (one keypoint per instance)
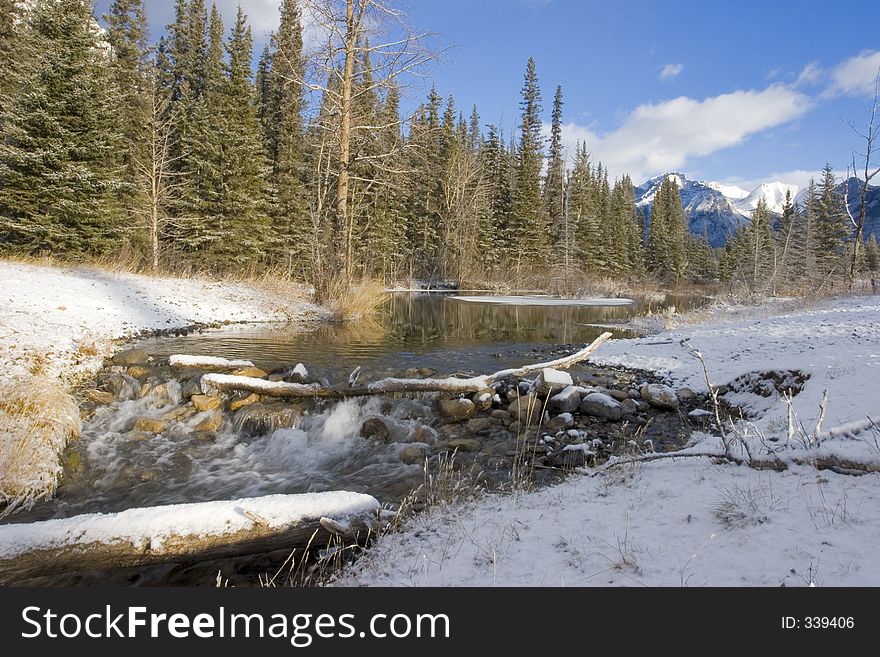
(528, 213)
(759, 252)
(60, 177)
(554, 185)
(282, 119)
(11, 44)
(130, 69)
(872, 256)
(830, 226)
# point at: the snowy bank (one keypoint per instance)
(693, 521)
(58, 325)
(66, 319)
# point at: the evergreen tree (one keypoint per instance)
(528, 214)
(130, 69)
(872, 256)
(60, 177)
(830, 226)
(554, 185)
(282, 119)
(11, 44)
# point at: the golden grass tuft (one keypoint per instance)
(355, 300)
(37, 420)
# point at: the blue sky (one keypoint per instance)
(739, 92)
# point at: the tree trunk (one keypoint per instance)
(342, 210)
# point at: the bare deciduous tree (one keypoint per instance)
(871, 134)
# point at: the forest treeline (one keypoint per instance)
(184, 152)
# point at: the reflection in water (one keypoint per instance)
(414, 330)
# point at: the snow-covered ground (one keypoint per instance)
(68, 318)
(691, 521)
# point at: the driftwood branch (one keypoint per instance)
(216, 383)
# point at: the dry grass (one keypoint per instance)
(354, 300)
(37, 420)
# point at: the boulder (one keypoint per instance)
(660, 396)
(525, 405)
(500, 414)
(178, 414)
(686, 394)
(131, 357)
(457, 409)
(600, 405)
(139, 372)
(423, 434)
(573, 456)
(551, 381)
(204, 403)
(375, 428)
(150, 425)
(123, 387)
(568, 400)
(298, 374)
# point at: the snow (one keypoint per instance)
(182, 361)
(730, 191)
(214, 383)
(556, 378)
(690, 520)
(301, 371)
(773, 193)
(150, 527)
(543, 301)
(68, 318)
(684, 523)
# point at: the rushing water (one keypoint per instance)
(116, 468)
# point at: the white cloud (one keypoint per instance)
(263, 14)
(856, 76)
(661, 137)
(671, 71)
(811, 75)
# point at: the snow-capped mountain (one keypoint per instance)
(718, 211)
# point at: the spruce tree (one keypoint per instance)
(531, 226)
(60, 177)
(830, 226)
(554, 185)
(282, 118)
(11, 44)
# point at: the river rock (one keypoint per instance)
(204, 437)
(619, 395)
(479, 424)
(251, 399)
(569, 457)
(414, 454)
(423, 434)
(139, 372)
(101, 397)
(250, 372)
(525, 405)
(561, 422)
(457, 409)
(123, 387)
(131, 357)
(211, 423)
(501, 414)
(660, 396)
(598, 404)
(204, 403)
(375, 428)
(629, 407)
(298, 374)
(139, 436)
(686, 394)
(465, 445)
(150, 425)
(551, 381)
(568, 400)
(483, 400)
(178, 414)
(191, 387)
(263, 419)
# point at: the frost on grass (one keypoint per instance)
(37, 420)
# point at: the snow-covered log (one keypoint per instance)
(206, 363)
(214, 383)
(182, 532)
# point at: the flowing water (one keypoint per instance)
(113, 468)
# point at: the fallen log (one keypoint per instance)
(217, 383)
(188, 533)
